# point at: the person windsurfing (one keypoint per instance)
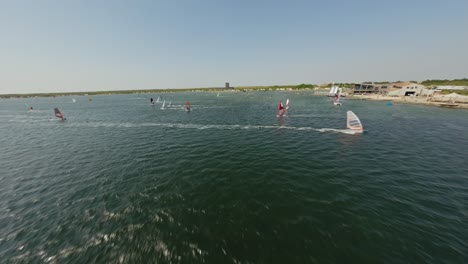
(281, 109)
(58, 114)
(151, 100)
(187, 106)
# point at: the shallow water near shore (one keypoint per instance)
(123, 181)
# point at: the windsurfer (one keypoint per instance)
(58, 113)
(151, 100)
(281, 109)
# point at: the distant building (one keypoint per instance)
(370, 88)
(407, 89)
(393, 89)
(226, 86)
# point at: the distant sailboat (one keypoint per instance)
(170, 103)
(163, 105)
(187, 106)
(58, 114)
(281, 109)
(333, 91)
(337, 98)
(287, 104)
(217, 95)
(353, 122)
(73, 100)
(157, 100)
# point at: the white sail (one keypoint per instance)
(287, 104)
(217, 95)
(157, 100)
(73, 100)
(353, 122)
(163, 105)
(170, 103)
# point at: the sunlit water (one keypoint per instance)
(122, 181)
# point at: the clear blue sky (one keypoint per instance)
(58, 46)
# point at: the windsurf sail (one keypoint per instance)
(187, 106)
(280, 109)
(157, 100)
(170, 103)
(287, 104)
(353, 122)
(163, 105)
(58, 113)
(217, 95)
(73, 100)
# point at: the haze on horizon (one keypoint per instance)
(62, 46)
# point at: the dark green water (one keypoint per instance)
(122, 181)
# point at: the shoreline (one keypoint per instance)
(315, 92)
(409, 100)
(173, 90)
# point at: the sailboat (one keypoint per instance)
(333, 91)
(281, 109)
(170, 104)
(58, 114)
(287, 104)
(353, 123)
(217, 95)
(73, 100)
(157, 100)
(163, 105)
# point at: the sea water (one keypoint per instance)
(122, 181)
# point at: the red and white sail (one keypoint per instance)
(281, 109)
(58, 113)
(337, 97)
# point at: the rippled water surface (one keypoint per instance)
(122, 181)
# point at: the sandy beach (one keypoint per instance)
(409, 100)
